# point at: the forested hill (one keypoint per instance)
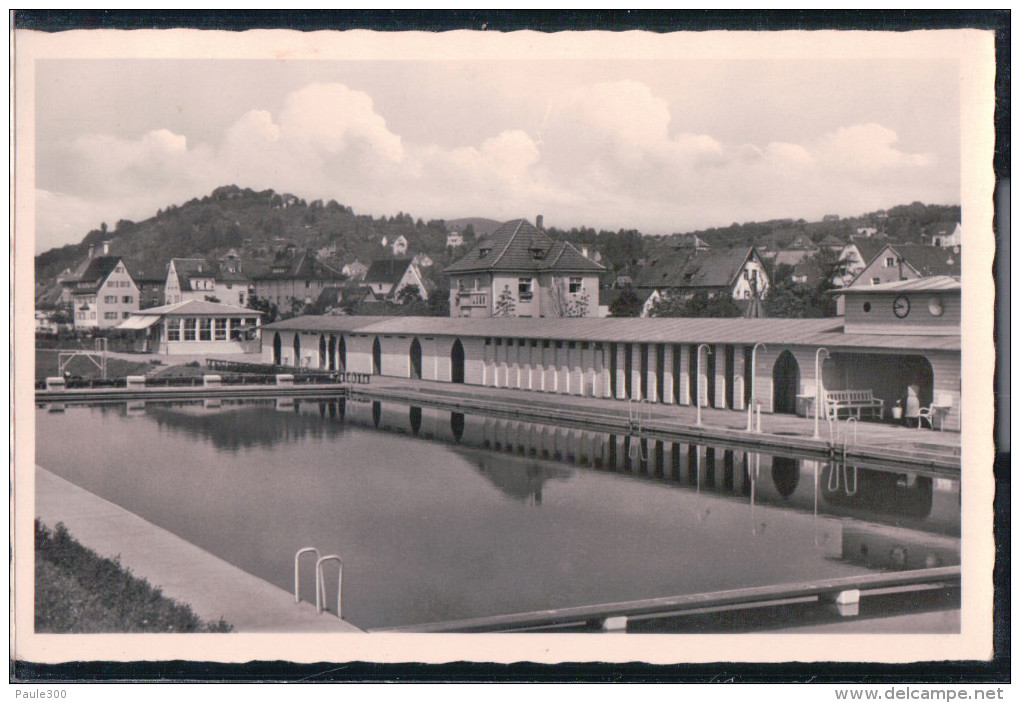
(257, 223)
(251, 222)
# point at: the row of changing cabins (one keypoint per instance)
(727, 362)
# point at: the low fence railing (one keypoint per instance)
(206, 380)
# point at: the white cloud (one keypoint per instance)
(867, 147)
(607, 155)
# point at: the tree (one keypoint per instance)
(269, 310)
(409, 295)
(676, 304)
(627, 304)
(786, 299)
(439, 303)
(505, 305)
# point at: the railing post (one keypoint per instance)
(320, 581)
(297, 572)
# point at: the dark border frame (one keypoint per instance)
(995, 670)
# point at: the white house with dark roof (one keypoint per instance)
(857, 253)
(295, 277)
(102, 294)
(738, 273)
(454, 238)
(946, 235)
(387, 277)
(354, 270)
(532, 274)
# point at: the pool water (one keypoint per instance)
(442, 516)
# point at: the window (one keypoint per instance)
(126, 315)
(476, 284)
(460, 284)
(240, 298)
(747, 275)
(189, 329)
(251, 321)
(109, 299)
(875, 281)
(221, 329)
(308, 284)
(524, 288)
(867, 307)
(205, 329)
(128, 299)
(173, 330)
(575, 285)
(109, 315)
(537, 254)
(119, 269)
(890, 261)
(482, 253)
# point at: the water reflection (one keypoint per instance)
(442, 515)
(830, 488)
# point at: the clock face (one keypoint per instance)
(901, 306)
(935, 306)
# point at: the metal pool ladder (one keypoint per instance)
(320, 580)
(842, 464)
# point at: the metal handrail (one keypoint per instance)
(297, 573)
(321, 584)
(846, 474)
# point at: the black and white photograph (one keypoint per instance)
(479, 346)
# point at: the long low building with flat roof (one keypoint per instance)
(906, 362)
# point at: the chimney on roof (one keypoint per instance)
(106, 247)
(538, 221)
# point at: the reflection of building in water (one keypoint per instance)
(520, 479)
(240, 425)
(899, 498)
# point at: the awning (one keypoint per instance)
(139, 322)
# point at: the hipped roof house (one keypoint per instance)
(518, 246)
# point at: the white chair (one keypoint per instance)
(936, 411)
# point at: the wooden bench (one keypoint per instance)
(853, 402)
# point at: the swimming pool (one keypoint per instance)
(444, 516)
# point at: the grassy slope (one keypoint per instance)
(78, 591)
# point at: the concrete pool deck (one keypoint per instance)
(880, 440)
(188, 574)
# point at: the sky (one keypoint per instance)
(659, 145)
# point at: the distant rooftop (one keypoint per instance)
(930, 283)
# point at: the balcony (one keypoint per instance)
(472, 299)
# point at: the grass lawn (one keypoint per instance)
(47, 363)
(78, 591)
